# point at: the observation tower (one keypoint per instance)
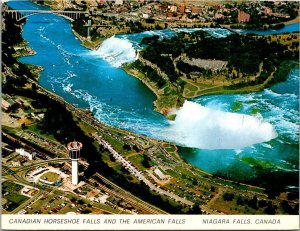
(74, 154)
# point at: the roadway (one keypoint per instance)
(139, 174)
(132, 198)
(143, 206)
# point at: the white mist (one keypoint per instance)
(117, 51)
(201, 127)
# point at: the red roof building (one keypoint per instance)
(268, 11)
(196, 10)
(243, 16)
(218, 16)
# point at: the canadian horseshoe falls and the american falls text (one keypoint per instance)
(234, 144)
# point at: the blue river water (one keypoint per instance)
(287, 29)
(267, 140)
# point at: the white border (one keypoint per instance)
(150, 222)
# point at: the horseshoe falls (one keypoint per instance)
(205, 128)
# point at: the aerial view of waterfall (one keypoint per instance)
(189, 113)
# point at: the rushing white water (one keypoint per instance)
(205, 128)
(123, 49)
(117, 51)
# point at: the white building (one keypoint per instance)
(16, 163)
(119, 2)
(146, 16)
(160, 174)
(22, 152)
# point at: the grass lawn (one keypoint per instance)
(67, 208)
(118, 146)
(231, 207)
(190, 87)
(50, 176)
(13, 198)
(106, 158)
(171, 149)
(168, 101)
(35, 130)
(39, 204)
(190, 94)
(137, 161)
(8, 186)
(86, 128)
(85, 189)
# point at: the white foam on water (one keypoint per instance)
(217, 32)
(117, 51)
(266, 145)
(238, 151)
(187, 30)
(68, 87)
(201, 127)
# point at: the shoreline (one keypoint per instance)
(152, 88)
(295, 20)
(165, 111)
(87, 43)
(149, 85)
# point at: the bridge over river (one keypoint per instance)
(21, 14)
(70, 15)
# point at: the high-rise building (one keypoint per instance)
(74, 154)
(182, 7)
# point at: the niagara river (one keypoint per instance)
(236, 144)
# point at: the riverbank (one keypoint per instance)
(295, 20)
(214, 86)
(23, 49)
(141, 77)
(161, 104)
(190, 91)
(87, 43)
